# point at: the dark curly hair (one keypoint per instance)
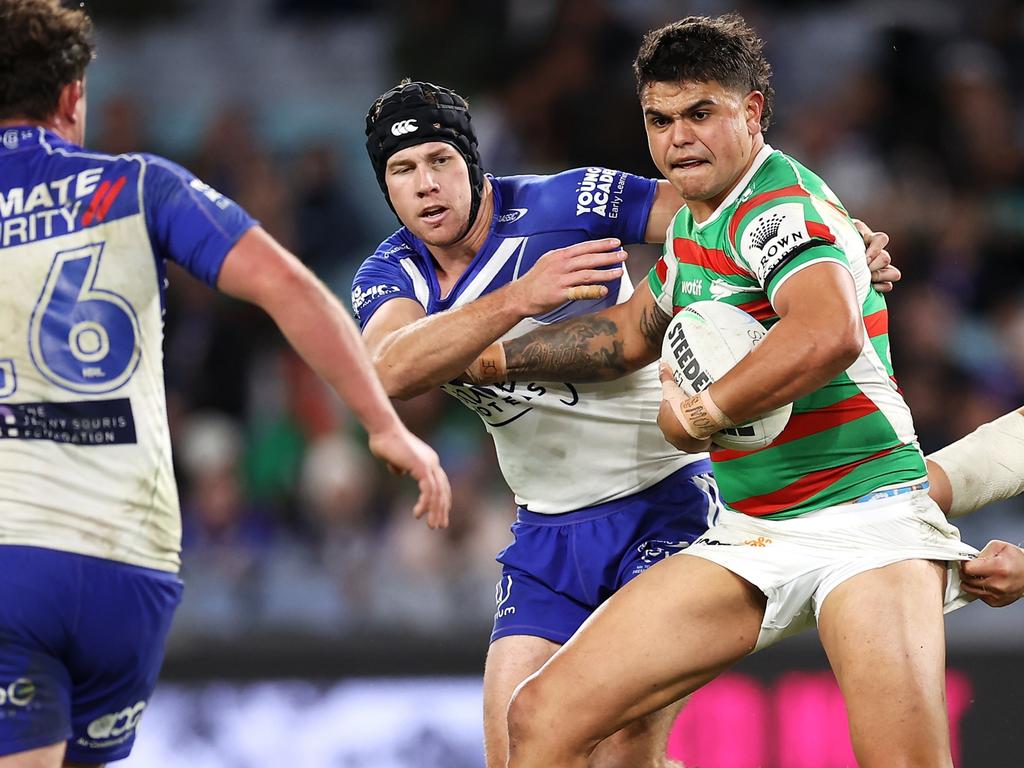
(701, 49)
(43, 47)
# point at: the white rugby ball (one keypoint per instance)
(704, 341)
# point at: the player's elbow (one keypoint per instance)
(398, 381)
(834, 349)
(395, 382)
(849, 342)
(635, 358)
(633, 353)
(405, 392)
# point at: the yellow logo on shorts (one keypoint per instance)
(760, 541)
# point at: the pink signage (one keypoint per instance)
(797, 722)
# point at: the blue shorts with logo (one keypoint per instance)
(81, 644)
(560, 568)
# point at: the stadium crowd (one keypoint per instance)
(287, 522)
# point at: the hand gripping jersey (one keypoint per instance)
(561, 446)
(85, 456)
(855, 434)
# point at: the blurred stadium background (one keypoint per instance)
(321, 625)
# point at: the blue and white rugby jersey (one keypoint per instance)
(561, 446)
(85, 454)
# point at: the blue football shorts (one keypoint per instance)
(560, 568)
(81, 644)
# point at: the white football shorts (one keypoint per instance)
(797, 562)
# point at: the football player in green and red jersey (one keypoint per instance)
(831, 525)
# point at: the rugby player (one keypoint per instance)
(89, 518)
(831, 524)
(601, 495)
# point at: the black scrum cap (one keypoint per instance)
(415, 113)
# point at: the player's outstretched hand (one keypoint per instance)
(996, 575)
(668, 416)
(406, 454)
(565, 274)
(883, 273)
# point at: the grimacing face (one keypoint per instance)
(430, 190)
(702, 137)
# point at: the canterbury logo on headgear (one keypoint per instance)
(403, 126)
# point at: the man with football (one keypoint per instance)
(478, 259)
(831, 524)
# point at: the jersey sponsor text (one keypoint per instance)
(595, 193)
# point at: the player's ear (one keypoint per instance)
(72, 97)
(753, 106)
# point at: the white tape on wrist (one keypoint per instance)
(701, 417)
(986, 465)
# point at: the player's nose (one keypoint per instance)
(426, 181)
(681, 134)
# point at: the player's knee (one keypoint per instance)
(534, 737)
(524, 712)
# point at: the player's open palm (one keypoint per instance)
(406, 454)
(566, 274)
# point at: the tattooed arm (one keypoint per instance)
(597, 347)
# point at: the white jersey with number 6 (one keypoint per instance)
(85, 455)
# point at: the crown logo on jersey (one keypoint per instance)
(767, 230)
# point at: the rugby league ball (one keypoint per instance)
(702, 343)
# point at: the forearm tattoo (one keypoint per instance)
(581, 350)
(489, 370)
(653, 324)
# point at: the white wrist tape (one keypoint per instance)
(701, 417)
(985, 466)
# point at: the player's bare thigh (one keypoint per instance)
(512, 659)
(883, 632)
(662, 636)
(51, 756)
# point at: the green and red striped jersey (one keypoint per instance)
(855, 434)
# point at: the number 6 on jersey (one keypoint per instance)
(81, 337)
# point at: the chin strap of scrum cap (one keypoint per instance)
(416, 113)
